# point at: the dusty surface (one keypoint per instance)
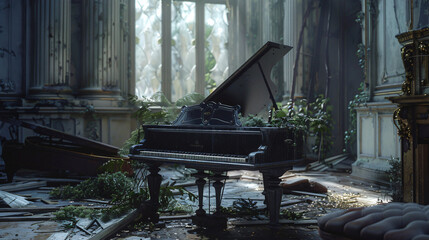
(344, 192)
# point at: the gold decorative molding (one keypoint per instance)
(412, 35)
(404, 130)
(407, 53)
(423, 48)
(387, 93)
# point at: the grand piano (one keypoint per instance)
(209, 136)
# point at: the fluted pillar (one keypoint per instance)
(51, 73)
(289, 36)
(101, 43)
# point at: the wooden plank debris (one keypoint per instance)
(26, 218)
(97, 201)
(48, 201)
(14, 214)
(82, 229)
(287, 176)
(188, 184)
(43, 209)
(235, 176)
(251, 178)
(110, 230)
(295, 201)
(177, 217)
(327, 163)
(266, 222)
(13, 200)
(22, 186)
(287, 203)
(309, 193)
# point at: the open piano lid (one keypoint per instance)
(251, 86)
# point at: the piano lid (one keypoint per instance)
(251, 86)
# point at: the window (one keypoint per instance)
(181, 47)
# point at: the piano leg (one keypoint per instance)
(218, 188)
(273, 193)
(200, 183)
(154, 184)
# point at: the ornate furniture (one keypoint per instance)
(412, 116)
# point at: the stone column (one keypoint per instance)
(101, 43)
(52, 48)
(289, 36)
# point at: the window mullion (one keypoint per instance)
(199, 47)
(166, 80)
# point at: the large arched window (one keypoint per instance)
(181, 46)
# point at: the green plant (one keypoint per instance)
(117, 165)
(241, 207)
(124, 193)
(253, 121)
(311, 119)
(167, 201)
(360, 18)
(292, 114)
(123, 203)
(245, 207)
(395, 179)
(105, 185)
(321, 125)
(305, 119)
(359, 100)
(71, 213)
(285, 213)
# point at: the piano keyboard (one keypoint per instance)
(194, 156)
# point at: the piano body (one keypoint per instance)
(209, 136)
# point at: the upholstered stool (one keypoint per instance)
(391, 221)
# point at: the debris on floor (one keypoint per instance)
(303, 185)
(308, 196)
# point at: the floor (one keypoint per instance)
(343, 192)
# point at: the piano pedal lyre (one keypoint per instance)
(201, 218)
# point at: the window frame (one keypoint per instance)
(166, 77)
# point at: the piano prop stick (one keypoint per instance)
(209, 136)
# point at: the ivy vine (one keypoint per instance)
(359, 100)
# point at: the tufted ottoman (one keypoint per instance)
(391, 221)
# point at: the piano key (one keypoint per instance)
(195, 156)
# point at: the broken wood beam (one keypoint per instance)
(115, 227)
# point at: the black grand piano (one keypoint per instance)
(209, 136)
